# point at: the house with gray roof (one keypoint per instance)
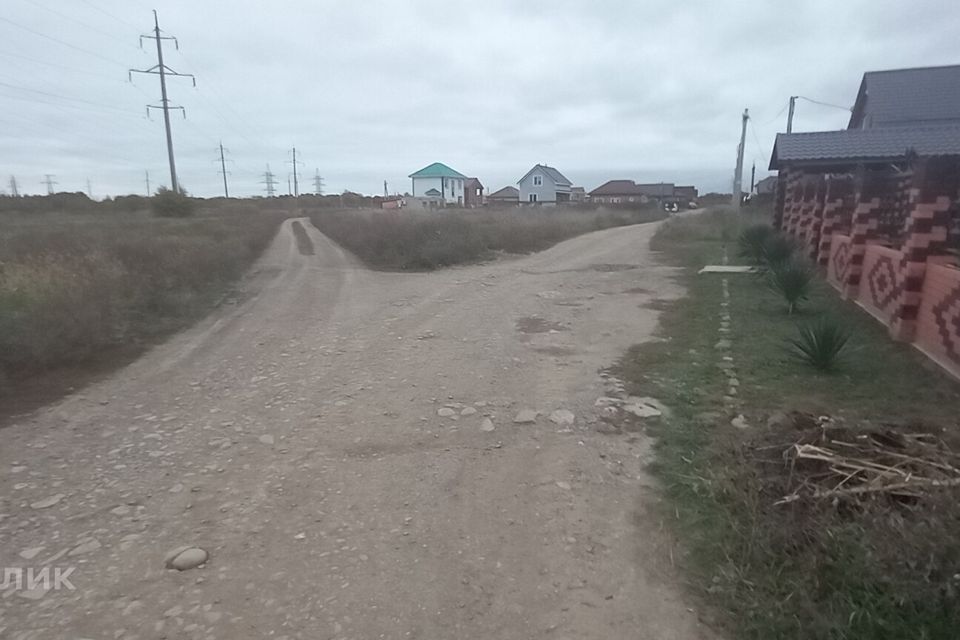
(544, 185)
(439, 182)
(877, 204)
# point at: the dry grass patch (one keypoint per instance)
(413, 240)
(74, 286)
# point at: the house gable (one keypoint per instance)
(903, 97)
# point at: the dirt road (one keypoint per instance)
(302, 439)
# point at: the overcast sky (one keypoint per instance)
(373, 90)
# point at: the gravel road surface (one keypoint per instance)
(344, 447)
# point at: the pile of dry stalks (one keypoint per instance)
(834, 462)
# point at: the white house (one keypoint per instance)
(440, 182)
(544, 185)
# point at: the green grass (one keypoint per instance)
(811, 571)
(419, 241)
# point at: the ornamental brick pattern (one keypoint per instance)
(938, 319)
(926, 235)
(881, 282)
(863, 227)
(811, 215)
(837, 211)
(839, 264)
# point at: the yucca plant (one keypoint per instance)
(751, 242)
(791, 279)
(777, 249)
(820, 344)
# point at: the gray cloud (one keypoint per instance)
(369, 91)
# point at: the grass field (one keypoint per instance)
(408, 240)
(74, 286)
(827, 569)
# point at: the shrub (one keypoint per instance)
(792, 280)
(752, 241)
(171, 204)
(777, 249)
(820, 344)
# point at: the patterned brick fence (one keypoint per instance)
(883, 237)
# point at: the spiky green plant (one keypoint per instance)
(791, 279)
(820, 343)
(751, 242)
(777, 249)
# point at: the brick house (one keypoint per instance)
(877, 204)
(472, 193)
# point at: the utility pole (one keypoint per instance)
(318, 183)
(163, 71)
(14, 191)
(146, 172)
(223, 170)
(738, 174)
(48, 179)
(793, 104)
(753, 177)
(89, 189)
(385, 194)
(270, 181)
(289, 188)
(296, 183)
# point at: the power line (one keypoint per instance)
(825, 104)
(59, 97)
(109, 15)
(58, 41)
(75, 20)
(7, 54)
(163, 70)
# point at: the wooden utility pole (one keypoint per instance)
(738, 173)
(793, 104)
(753, 177)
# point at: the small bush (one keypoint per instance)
(752, 240)
(820, 344)
(792, 280)
(776, 250)
(171, 204)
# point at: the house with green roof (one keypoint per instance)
(440, 182)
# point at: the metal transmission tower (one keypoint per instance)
(223, 170)
(48, 179)
(146, 172)
(14, 191)
(318, 183)
(163, 71)
(270, 180)
(89, 189)
(296, 183)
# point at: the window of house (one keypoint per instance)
(537, 181)
(478, 192)
(533, 197)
